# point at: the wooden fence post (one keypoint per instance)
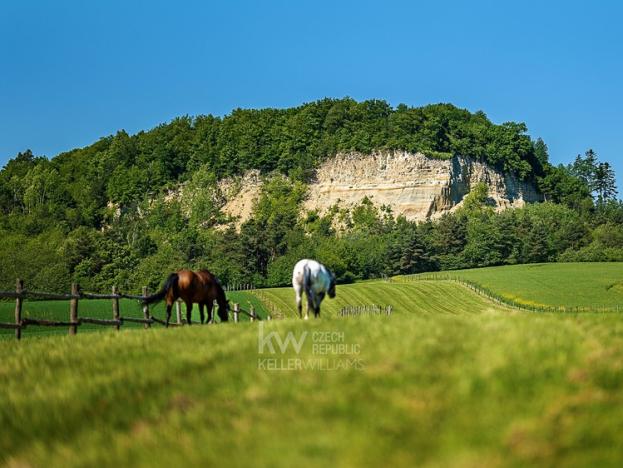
(19, 287)
(115, 307)
(73, 309)
(146, 308)
(236, 311)
(251, 313)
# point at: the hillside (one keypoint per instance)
(447, 380)
(421, 298)
(586, 285)
(248, 194)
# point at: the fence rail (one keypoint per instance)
(46, 296)
(75, 298)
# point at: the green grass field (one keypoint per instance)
(449, 379)
(552, 284)
(423, 297)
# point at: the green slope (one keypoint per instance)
(593, 285)
(422, 297)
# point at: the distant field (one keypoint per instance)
(422, 297)
(426, 298)
(552, 284)
(95, 308)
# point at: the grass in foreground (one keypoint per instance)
(487, 389)
(475, 386)
(593, 285)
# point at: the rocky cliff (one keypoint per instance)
(414, 185)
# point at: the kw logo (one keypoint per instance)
(268, 341)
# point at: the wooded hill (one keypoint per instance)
(99, 214)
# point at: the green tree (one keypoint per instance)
(605, 183)
(476, 200)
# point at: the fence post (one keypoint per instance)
(146, 308)
(115, 307)
(252, 313)
(73, 309)
(178, 311)
(19, 287)
(236, 311)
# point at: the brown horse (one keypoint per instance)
(200, 287)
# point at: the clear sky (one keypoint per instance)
(74, 71)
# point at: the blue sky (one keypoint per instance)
(73, 71)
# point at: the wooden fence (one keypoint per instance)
(273, 309)
(367, 309)
(75, 320)
(239, 287)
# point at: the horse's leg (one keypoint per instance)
(210, 307)
(311, 299)
(169, 307)
(170, 299)
(318, 301)
(201, 314)
(310, 305)
(299, 301)
(189, 312)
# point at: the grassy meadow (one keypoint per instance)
(422, 298)
(449, 379)
(593, 285)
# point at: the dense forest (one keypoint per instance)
(105, 214)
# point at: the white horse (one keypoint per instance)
(316, 280)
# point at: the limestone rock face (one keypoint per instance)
(413, 185)
(240, 196)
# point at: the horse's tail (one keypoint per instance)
(171, 282)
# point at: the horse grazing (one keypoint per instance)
(316, 280)
(200, 287)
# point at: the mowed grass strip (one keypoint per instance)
(421, 297)
(449, 389)
(591, 285)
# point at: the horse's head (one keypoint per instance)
(223, 310)
(331, 291)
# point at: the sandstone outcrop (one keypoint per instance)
(413, 185)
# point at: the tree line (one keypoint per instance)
(128, 209)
